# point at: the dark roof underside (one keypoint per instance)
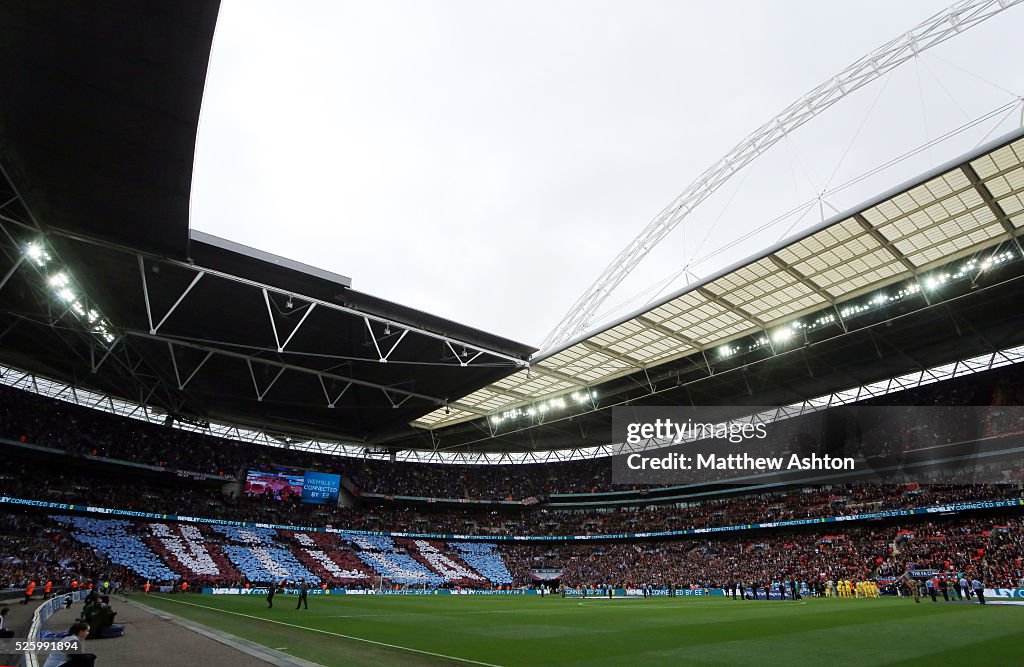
(100, 113)
(97, 134)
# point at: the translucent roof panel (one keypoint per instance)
(699, 319)
(587, 364)
(766, 291)
(1001, 160)
(842, 259)
(937, 219)
(1004, 178)
(637, 340)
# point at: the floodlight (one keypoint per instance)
(58, 279)
(782, 335)
(37, 254)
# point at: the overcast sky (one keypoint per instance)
(484, 161)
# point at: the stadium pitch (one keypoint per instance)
(528, 630)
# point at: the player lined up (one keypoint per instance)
(844, 588)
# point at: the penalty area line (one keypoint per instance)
(338, 634)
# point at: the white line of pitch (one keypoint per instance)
(337, 634)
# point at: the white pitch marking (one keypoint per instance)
(338, 634)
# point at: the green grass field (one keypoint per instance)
(499, 630)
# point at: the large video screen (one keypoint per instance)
(282, 486)
(320, 488)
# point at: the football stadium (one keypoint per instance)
(809, 448)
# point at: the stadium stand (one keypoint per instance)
(85, 455)
(260, 557)
(485, 559)
(190, 552)
(29, 419)
(447, 565)
(113, 539)
(322, 554)
(393, 563)
(777, 506)
(32, 547)
(855, 553)
(989, 544)
(170, 494)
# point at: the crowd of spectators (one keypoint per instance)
(991, 547)
(35, 549)
(30, 418)
(190, 498)
(942, 545)
(35, 419)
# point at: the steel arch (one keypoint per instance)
(937, 29)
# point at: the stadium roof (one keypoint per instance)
(954, 211)
(106, 288)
